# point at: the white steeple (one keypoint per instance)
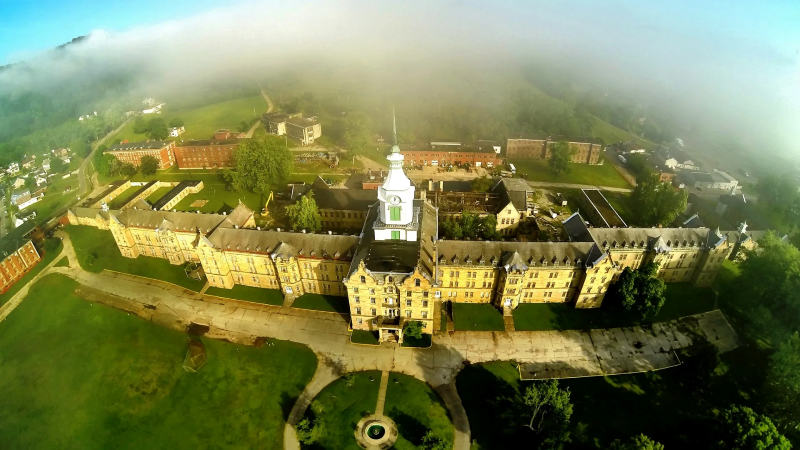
(396, 196)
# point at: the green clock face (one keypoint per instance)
(394, 199)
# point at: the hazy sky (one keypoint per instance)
(733, 65)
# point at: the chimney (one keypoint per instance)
(441, 185)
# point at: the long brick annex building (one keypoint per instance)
(397, 270)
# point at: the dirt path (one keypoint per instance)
(270, 106)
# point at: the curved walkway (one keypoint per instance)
(542, 354)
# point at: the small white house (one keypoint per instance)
(40, 181)
(154, 110)
(46, 165)
(18, 183)
(13, 169)
(176, 131)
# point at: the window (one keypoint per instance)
(395, 234)
(417, 282)
(373, 312)
(408, 302)
(424, 303)
(408, 293)
(394, 214)
(408, 313)
(372, 300)
(357, 300)
(424, 314)
(363, 279)
(358, 311)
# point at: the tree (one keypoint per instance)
(259, 164)
(741, 428)
(157, 129)
(57, 165)
(176, 122)
(471, 226)
(783, 383)
(769, 286)
(30, 181)
(309, 431)
(413, 329)
(656, 203)
(481, 184)
(357, 131)
(127, 169)
(149, 165)
(549, 405)
(560, 157)
(640, 290)
(304, 215)
(107, 165)
(432, 442)
(640, 442)
(140, 126)
(80, 147)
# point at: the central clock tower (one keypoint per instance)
(396, 218)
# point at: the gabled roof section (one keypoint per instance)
(576, 228)
(513, 262)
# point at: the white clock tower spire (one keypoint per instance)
(396, 195)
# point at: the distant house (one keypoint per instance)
(66, 160)
(60, 152)
(154, 110)
(29, 161)
(46, 164)
(305, 131)
(176, 131)
(40, 181)
(13, 169)
(677, 159)
(20, 193)
(18, 183)
(27, 200)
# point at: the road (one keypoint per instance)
(270, 106)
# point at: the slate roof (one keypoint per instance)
(532, 254)
(15, 239)
(182, 221)
(513, 190)
(284, 243)
(649, 237)
(141, 145)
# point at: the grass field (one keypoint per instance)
(249, 294)
(622, 204)
(321, 302)
(364, 337)
(56, 197)
(598, 175)
(160, 192)
(416, 408)
(219, 199)
(342, 407)
(202, 122)
(411, 341)
(683, 299)
(123, 198)
(96, 250)
(82, 375)
(412, 404)
(477, 317)
(52, 249)
(63, 262)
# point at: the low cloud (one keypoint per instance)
(703, 76)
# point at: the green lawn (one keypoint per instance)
(202, 122)
(220, 199)
(160, 192)
(321, 302)
(416, 408)
(412, 404)
(89, 241)
(477, 317)
(364, 337)
(83, 375)
(249, 294)
(339, 408)
(118, 201)
(423, 342)
(683, 299)
(52, 248)
(622, 204)
(63, 262)
(597, 175)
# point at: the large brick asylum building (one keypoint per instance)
(586, 150)
(133, 152)
(213, 153)
(397, 269)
